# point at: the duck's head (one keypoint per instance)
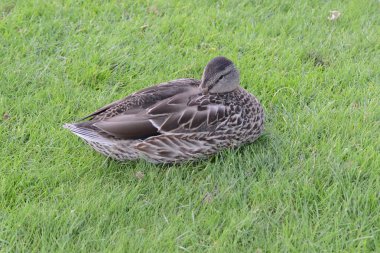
(220, 76)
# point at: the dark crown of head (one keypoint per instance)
(216, 65)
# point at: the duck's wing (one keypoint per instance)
(144, 98)
(129, 118)
(186, 112)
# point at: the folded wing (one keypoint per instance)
(175, 107)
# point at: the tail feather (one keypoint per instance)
(88, 134)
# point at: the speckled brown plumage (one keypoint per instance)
(181, 120)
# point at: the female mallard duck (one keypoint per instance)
(184, 119)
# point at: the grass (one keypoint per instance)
(310, 184)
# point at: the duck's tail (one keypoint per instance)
(88, 134)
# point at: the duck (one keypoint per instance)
(181, 120)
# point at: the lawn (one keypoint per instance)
(311, 183)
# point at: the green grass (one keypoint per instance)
(311, 183)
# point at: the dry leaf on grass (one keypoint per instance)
(334, 15)
(208, 198)
(6, 116)
(139, 175)
(144, 27)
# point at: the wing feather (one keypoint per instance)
(174, 107)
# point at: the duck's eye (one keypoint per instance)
(220, 78)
